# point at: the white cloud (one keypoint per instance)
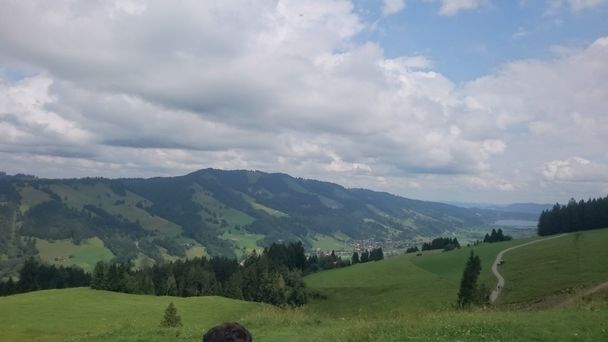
(133, 88)
(390, 7)
(575, 169)
(452, 7)
(25, 123)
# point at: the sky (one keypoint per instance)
(447, 100)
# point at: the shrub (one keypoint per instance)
(171, 319)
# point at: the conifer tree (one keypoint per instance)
(171, 319)
(365, 256)
(355, 258)
(380, 254)
(97, 280)
(468, 284)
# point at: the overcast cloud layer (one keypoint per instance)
(134, 88)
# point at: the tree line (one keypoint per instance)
(274, 276)
(496, 236)
(446, 244)
(412, 250)
(375, 254)
(575, 216)
(35, 276)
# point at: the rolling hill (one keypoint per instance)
(215, 212)
(407, 297)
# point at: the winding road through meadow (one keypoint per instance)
(501, 280)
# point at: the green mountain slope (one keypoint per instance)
(209, 211)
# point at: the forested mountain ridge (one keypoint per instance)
(218, 212)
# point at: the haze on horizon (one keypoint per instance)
(447, 100)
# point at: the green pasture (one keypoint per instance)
(328, 243)
(558, 266)
(66, 253)
(87, 315)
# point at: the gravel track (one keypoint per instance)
(501, 280)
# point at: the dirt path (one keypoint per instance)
(597, 288)
(501, 281)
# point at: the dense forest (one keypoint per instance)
(274, 276)
(35, 276)
(575, 216)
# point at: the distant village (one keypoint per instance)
(389, 246)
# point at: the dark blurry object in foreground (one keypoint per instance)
(228, 332)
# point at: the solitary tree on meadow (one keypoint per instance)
(171, 319)
(468, 284)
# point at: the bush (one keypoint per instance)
(171, 319)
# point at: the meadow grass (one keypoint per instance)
(258, 206)
(195, 252)
(244, 242)
(403, 283)
(31, 197)
(87, 315)
(232, 216)
(553, 267)
(450, 265)
(327, 243)
(66, 253)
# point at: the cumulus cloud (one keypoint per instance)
(133, 88)
(390, 7)
(575, 169)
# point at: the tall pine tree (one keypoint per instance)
(468, 284)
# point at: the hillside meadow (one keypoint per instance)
(402, 298)
(556, 268)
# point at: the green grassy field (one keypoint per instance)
(244, 242)
(401, 284)
(88, 315)
(259, 206)
(31, 197)
(403, 298)
(449, 265)
(555, 267)
(232, 216)
(66, 253)
(328, 243)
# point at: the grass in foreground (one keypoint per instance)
(88, 315)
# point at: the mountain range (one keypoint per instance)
(213, 212)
